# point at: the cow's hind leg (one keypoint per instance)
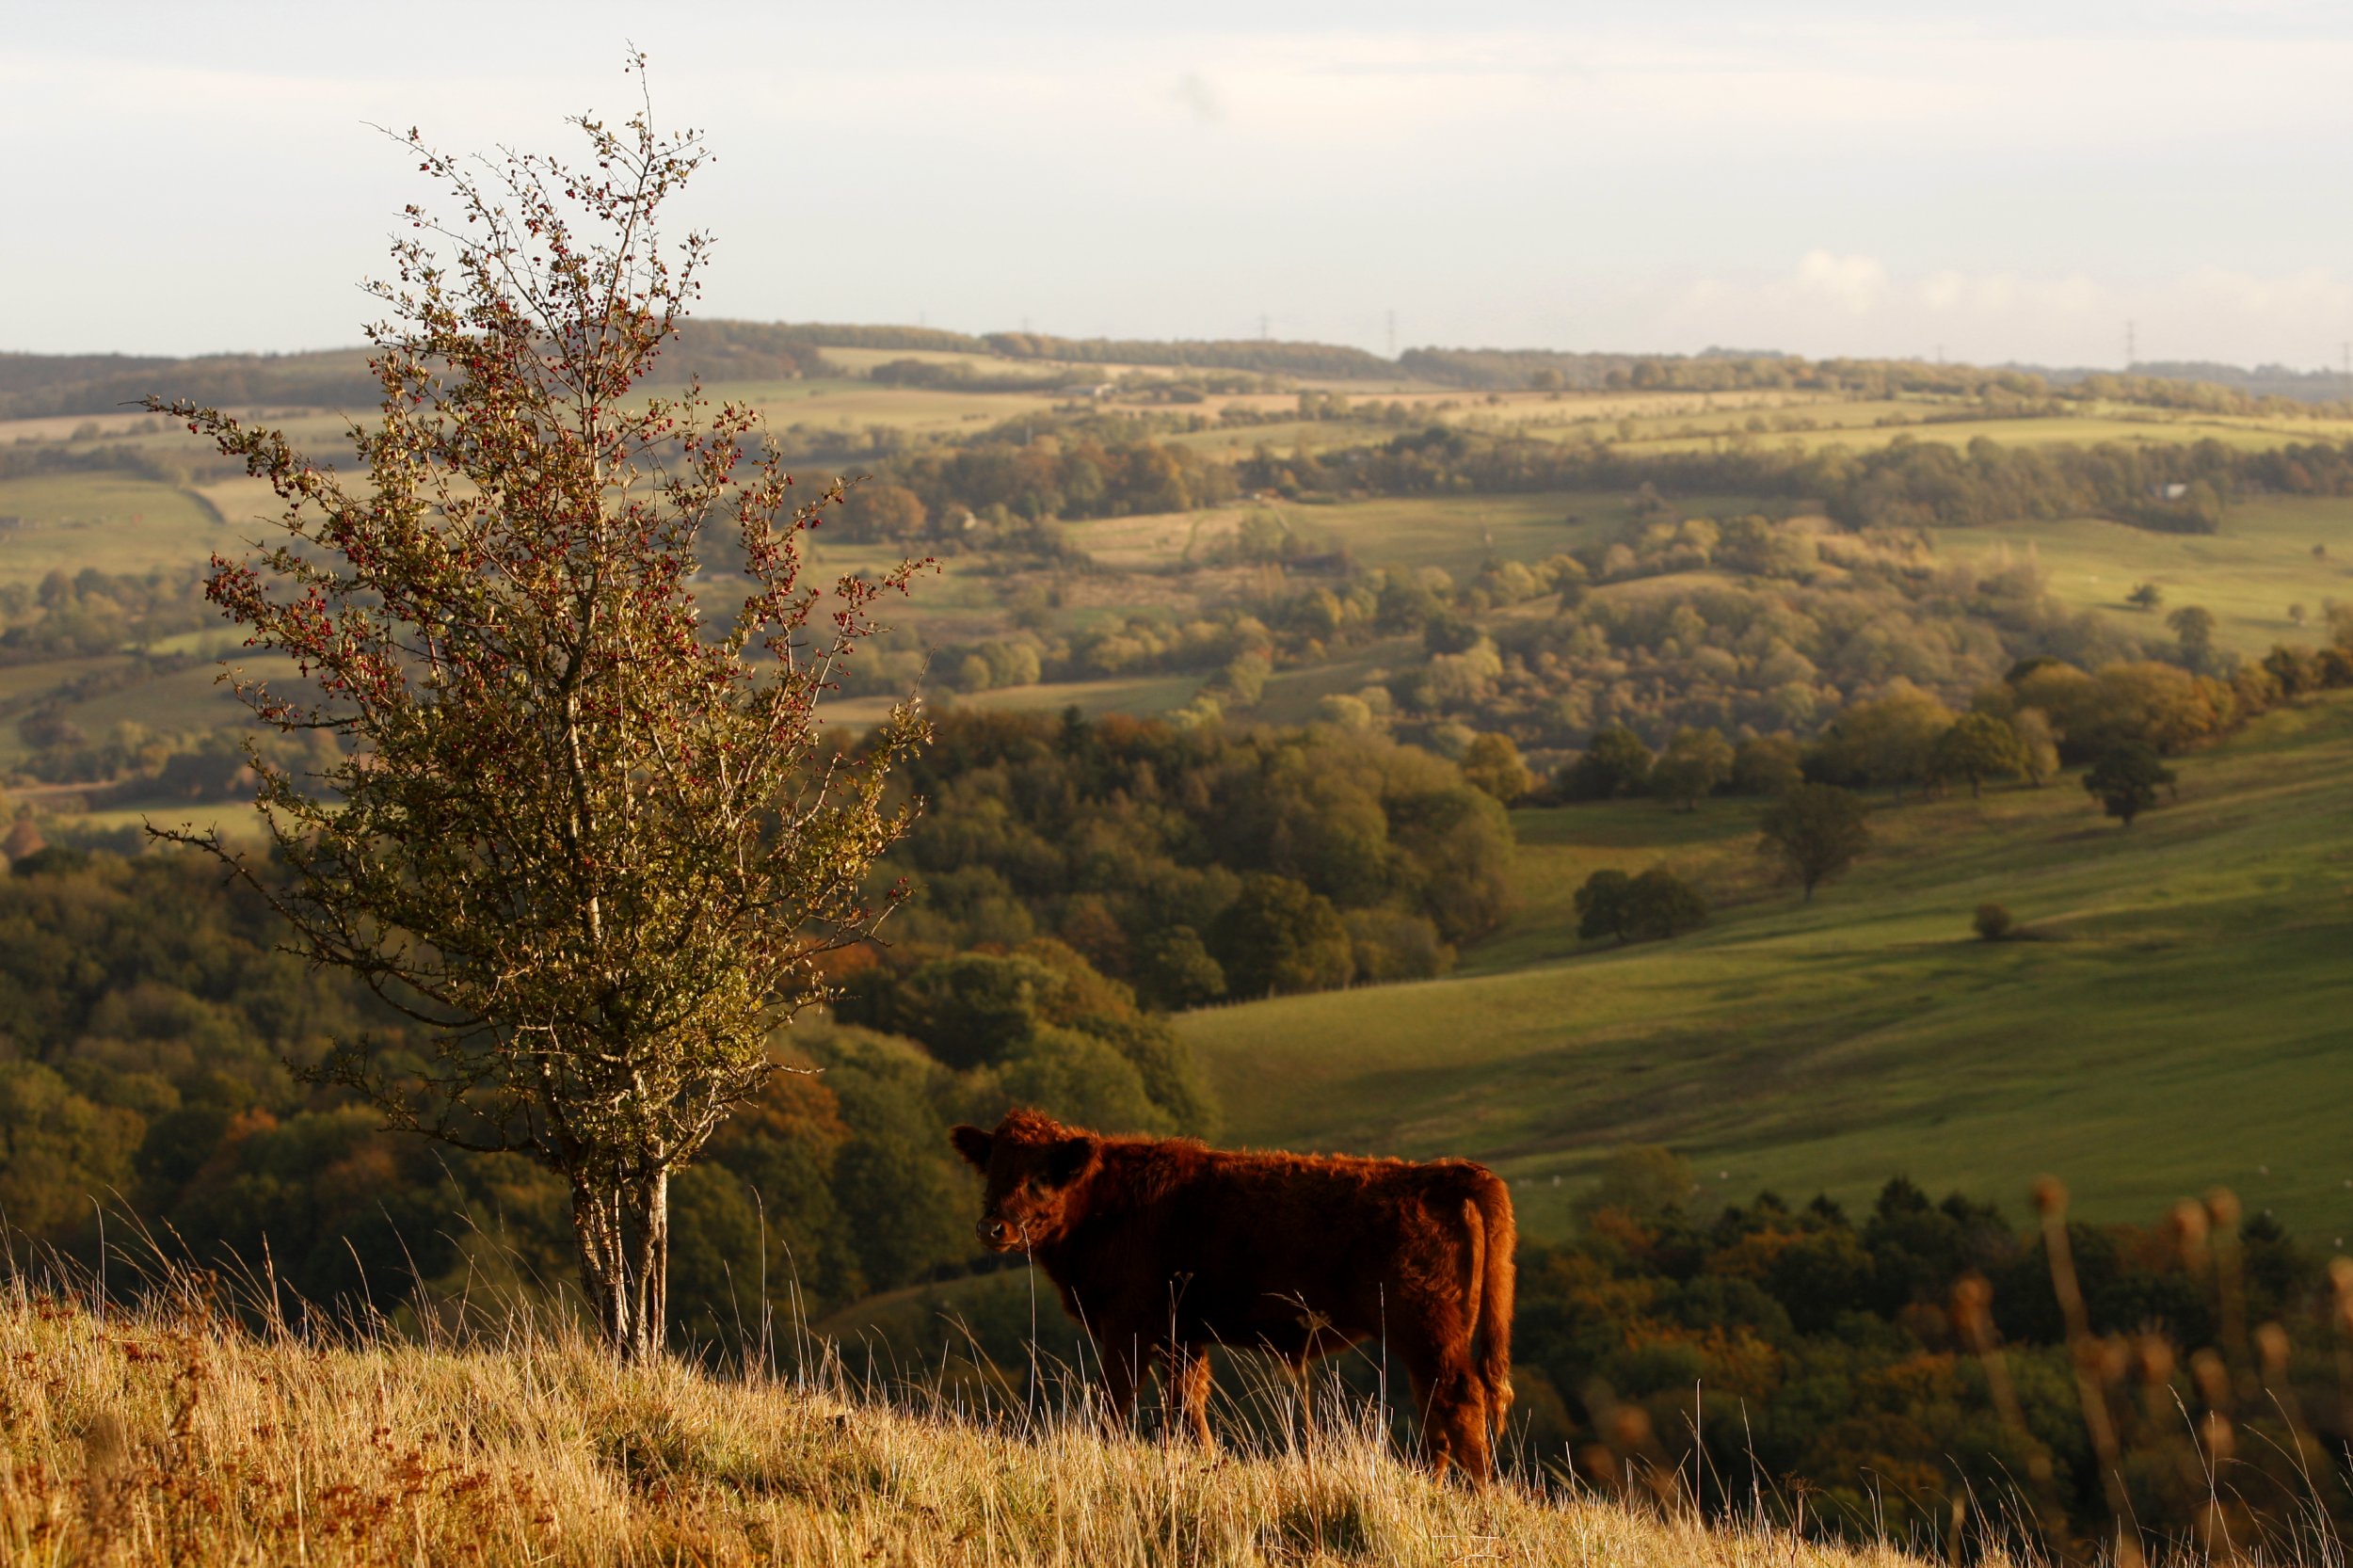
(1453, 1406)
(1188, 1384)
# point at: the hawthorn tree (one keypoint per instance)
(585, 824)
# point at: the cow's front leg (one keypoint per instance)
(1123, 1353)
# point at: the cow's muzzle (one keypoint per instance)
(997, 1234)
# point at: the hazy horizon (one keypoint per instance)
(2012, 185)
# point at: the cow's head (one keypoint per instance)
(1033, 1163)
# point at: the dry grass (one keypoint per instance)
(163, 1437)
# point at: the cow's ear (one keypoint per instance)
(1070, 1158)
(973, 1144)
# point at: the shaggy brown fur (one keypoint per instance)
(1161, 1248)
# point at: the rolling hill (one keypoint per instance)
(2179, 1021)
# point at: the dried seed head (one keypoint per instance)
(2155, 1353)
(2214, 1378)
(2189, 1229)
(2222, 1206)
(2271, 1343)
(1631, 1428)
(2050, 1196)
(2115, 1359)
(105, 1445)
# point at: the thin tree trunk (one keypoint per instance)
(624, 1240)
(652, 1199)
(604, 1267)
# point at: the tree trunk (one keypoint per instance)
(624, 1238)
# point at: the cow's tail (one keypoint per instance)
(1494, 1238)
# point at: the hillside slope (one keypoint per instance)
(162, 1439)
(2183, 1024)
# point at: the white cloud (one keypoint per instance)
(1829, 303)
(1199, 98)
(1851, 284)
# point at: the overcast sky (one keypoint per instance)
(2004, 181)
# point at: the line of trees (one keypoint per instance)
(2172, 486)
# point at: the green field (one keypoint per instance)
(2248, 574)
(110, 521)
(171, 702)
(1147, 696)
(1457, 533)
(2186, 1021)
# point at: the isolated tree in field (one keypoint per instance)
(1695, 762)
(1659, 904)
(1654, 906)
(1978, 746)
(2192, 626)
(2126, 778)
(2145, 596)
(1601, 904)
(594, 842)
(1817, 831)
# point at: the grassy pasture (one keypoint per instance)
(176, 701)
(19, 681)
(861, 361)
(113, 521)
(1146, 695)
(2183, 1026)
(2248, 574)
(1660, 423)
(1457, 533)
(2092, 427)
(852, 405)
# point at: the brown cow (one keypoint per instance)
(1161, 1248)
